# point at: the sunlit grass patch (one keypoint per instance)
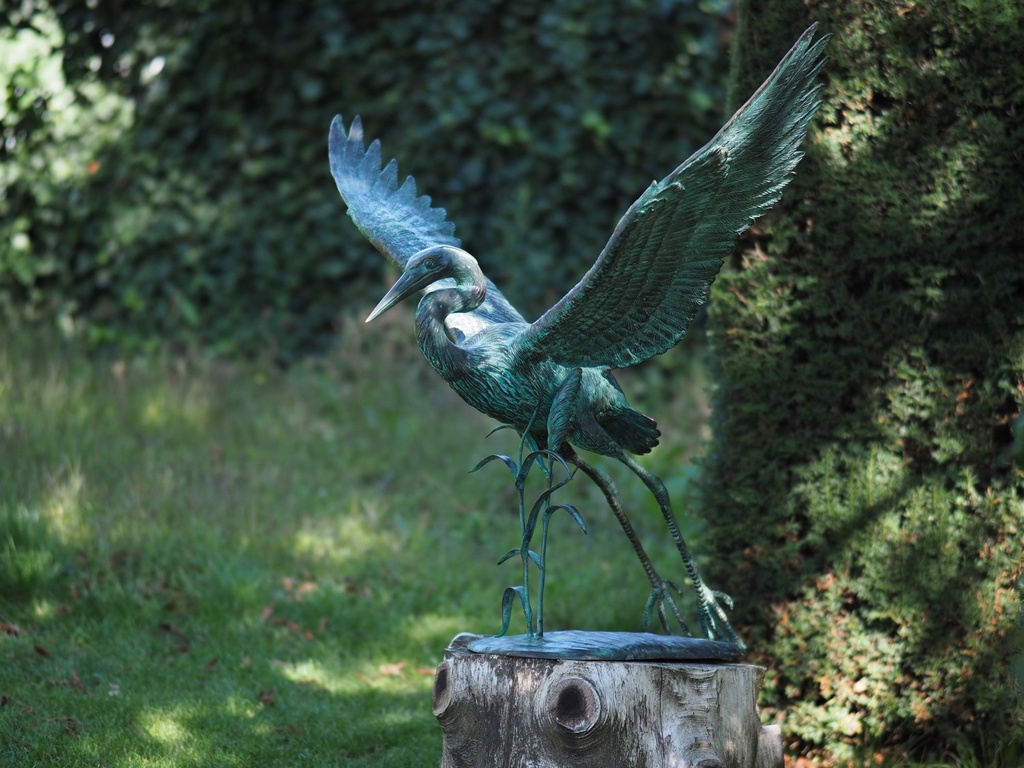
(229, 564)
(239, 565)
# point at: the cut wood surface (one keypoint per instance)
(527, 712)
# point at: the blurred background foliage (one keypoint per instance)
(164, 162)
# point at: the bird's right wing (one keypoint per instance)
(646, 286)
(396, 220)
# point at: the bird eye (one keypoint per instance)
(430, 264)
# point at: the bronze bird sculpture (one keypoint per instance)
(552, 378)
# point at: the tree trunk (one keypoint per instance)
(509, 712)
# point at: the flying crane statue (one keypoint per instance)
(551, 378)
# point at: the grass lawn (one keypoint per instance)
(210, 563)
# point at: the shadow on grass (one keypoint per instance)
(136, 661)
(257, 567)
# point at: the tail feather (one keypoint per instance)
(632, 430)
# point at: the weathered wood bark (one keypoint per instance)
(528, 713)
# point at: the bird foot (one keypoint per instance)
(713, 620)
(660, 599)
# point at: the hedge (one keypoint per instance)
(169, 180)
(864, 491)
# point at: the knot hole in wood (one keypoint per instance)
(574, 704)
(442, 688)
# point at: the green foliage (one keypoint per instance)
(864, 491)
(170, 179)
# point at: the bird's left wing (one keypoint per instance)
(397, 221)
(646, 286)
(394, 218)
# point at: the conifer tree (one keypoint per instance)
(864, 488)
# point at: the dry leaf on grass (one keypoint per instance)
(391, 670)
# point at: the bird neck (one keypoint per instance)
(439, 346)
(468, 293)
(470, 286)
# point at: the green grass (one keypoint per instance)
(219, 563)
(211, 563)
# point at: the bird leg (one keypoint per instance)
(661, 589)
(711, 613)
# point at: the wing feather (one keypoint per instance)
(392, 217)
(656, 270)
(399, 222)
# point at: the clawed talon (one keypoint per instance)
(723, 597)
(713, 620)
(661, 595)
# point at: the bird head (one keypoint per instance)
(423, 269)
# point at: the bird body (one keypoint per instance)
(489, 372)
(552, 378)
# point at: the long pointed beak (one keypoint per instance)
(403, 288)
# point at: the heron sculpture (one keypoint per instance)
(551, 379)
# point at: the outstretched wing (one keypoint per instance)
(655, 271)
(396, 220)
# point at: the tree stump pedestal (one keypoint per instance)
(520, 712)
